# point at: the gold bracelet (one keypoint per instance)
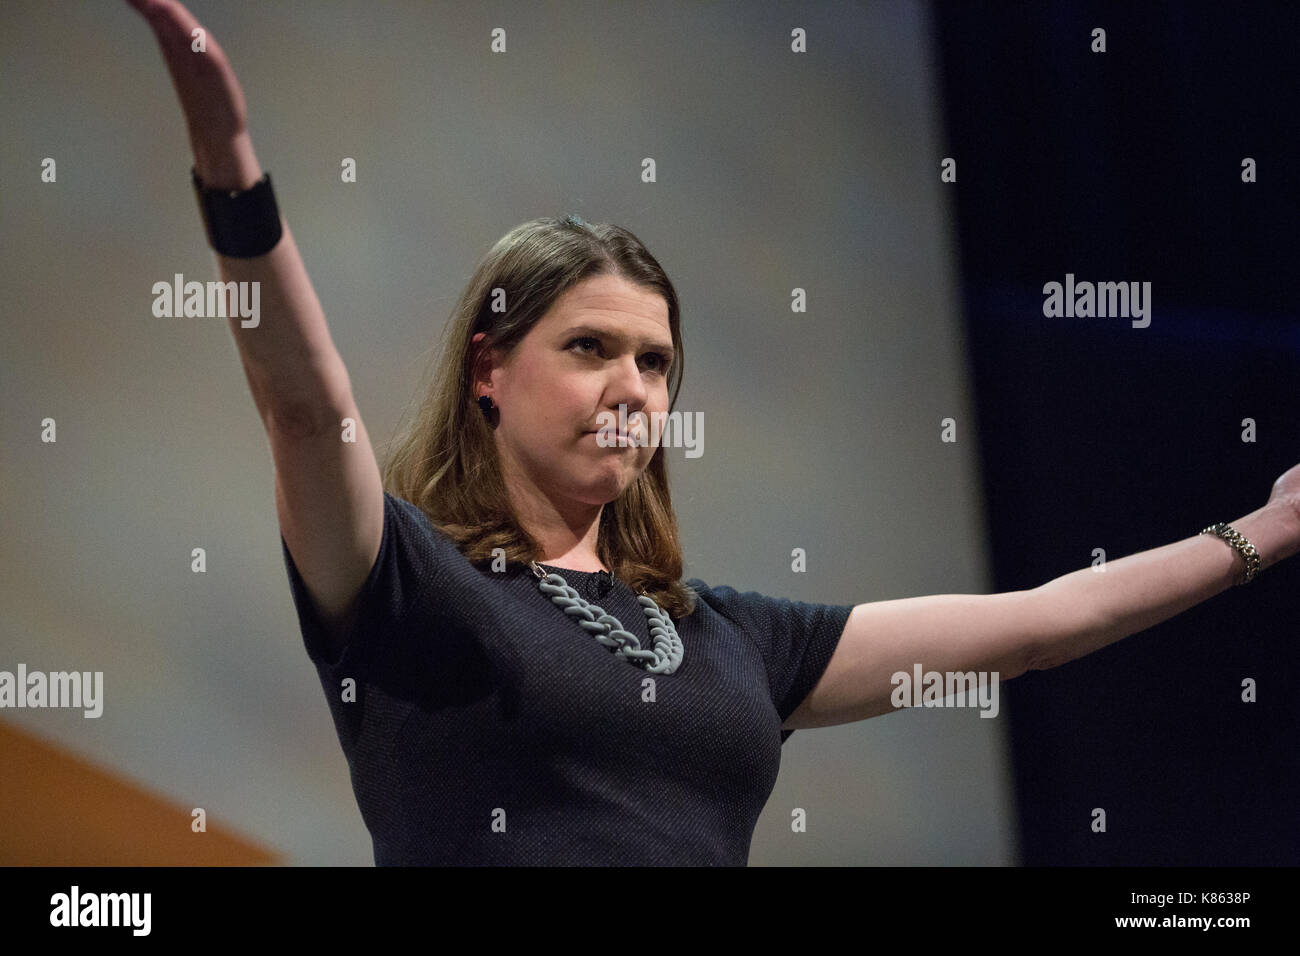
(1247, 550)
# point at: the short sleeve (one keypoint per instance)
(795, 638)
(412, 555)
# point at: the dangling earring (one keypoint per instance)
(485, 403)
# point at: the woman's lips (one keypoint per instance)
(619, 439)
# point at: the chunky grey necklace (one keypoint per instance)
(604, 627)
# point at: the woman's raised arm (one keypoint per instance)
(329, 495)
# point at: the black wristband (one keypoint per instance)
(241, 223)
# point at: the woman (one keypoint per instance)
(516, 671)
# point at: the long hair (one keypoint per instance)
(445, 461)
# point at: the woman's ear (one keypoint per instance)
(481, 361)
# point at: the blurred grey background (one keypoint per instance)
(775, 169)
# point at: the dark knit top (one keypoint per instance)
(483, 726)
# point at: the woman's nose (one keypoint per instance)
(630, 385)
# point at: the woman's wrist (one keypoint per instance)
(232, 165)
(1274, 530)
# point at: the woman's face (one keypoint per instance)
(605, 341)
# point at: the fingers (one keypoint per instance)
(174, 27)
(205, 83)
(167, 17)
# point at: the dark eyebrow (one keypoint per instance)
(614, 334)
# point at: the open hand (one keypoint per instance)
(1286, 490)
(210, 95)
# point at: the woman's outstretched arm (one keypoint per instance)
(1017, 631)
(329, 495)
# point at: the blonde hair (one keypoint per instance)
(445, 461)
